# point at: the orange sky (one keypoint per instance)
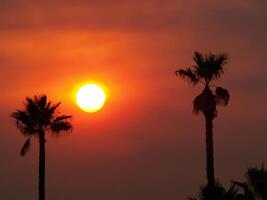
(134, 148)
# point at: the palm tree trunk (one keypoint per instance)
(209, 152)
(41, 165)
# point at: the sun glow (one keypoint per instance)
(91, 97)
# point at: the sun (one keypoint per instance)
(91, 98)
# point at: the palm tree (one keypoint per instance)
(207, 69)
(257, 178)
(218, 192)
(256, 185)
(247, 192)
(37, 118)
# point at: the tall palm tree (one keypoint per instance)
(38, 118)
(207, 69)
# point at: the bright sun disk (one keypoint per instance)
(91, 98)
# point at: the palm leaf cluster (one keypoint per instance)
(217, 192)
(207, 101)
(256, 185)
(38, 115)
(255, 188)
(257, 178)
(207, 68)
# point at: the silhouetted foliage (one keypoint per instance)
(207, 68)
(247, 193)
(255, 188)
(222, 96)
(256, 185)
(37, 118)
(257, 178)
(25, 147)
(216, 192)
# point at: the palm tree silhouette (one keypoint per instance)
(256, 185)
(257, 178)
(218, 192)
(247, 192)
(39, 117)
(207, 69)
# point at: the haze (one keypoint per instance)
(135, 147)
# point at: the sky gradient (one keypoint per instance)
(145, 143)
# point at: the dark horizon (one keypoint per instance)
(145, 143)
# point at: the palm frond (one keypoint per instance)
(216, 63)
(188, 74)
(222, 96)
(231, 193)
(32, 107)
(257, 178)
(61, 126)
(24, 122)
(21, 117)
(247, 191)
(48, 105)
(205, 103)
(199, 59)
(51, 109)
(62, 117)
(41, 101)
(25, 148)
(222, 58)
(217, 192)
(209, 66)
(49, 113)
(28, 130)
(198, 104)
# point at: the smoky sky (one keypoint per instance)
(146, 143)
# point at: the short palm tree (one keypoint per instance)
(256, 185)
(37, 118)
(257, 178)
(207, 69)
(218, 192)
